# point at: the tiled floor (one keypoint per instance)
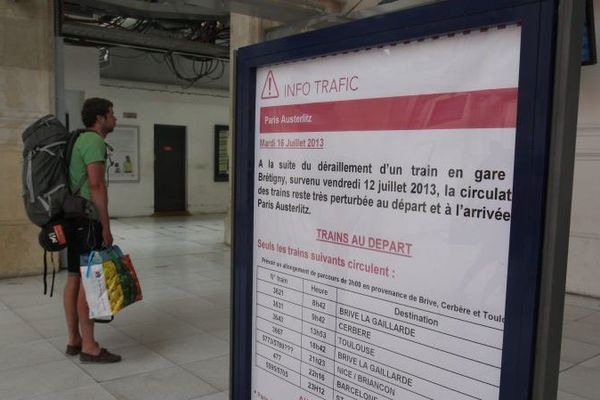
(175, 343)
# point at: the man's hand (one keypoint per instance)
(107, 239)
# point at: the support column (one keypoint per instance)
(26, 93)
(245, 31)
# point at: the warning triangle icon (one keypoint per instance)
(270, 90)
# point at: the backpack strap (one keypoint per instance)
(79, 185)
(53, 274)
(69, 153)
(30, 177)
(45, 272)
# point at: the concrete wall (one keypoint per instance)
(198, 110)
(245, 31)
(26, 93)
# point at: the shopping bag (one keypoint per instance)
(109, 281)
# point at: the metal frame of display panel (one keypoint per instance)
(531, 167)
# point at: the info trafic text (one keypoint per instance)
(340, 84)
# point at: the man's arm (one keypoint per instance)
(95, 172)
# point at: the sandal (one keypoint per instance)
(72, 350)
(104, 357)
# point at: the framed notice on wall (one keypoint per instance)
(221, 165)
(123, 154)
(389, 199)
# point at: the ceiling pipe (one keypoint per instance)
(120, 37)
(276, 10)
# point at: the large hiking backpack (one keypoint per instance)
(48, 199)
(46, 154)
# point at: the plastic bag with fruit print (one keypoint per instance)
(109, 281)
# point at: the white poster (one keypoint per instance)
(123, 154)
(382, 214)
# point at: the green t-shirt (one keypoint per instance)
(89, 148)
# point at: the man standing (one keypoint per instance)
(86, 175)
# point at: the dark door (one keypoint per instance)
(169, 168)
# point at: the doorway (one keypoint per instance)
(170, 169)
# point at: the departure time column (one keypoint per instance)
(318, 339)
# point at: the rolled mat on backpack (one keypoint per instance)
(82, 233)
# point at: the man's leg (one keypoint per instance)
(89, 345)
(90, 350)
(70, 296)
(71, 293)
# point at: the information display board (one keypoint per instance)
(382, 219)
(389, 206)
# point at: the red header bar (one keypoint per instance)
(493, 108)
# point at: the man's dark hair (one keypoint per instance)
(92, 108)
